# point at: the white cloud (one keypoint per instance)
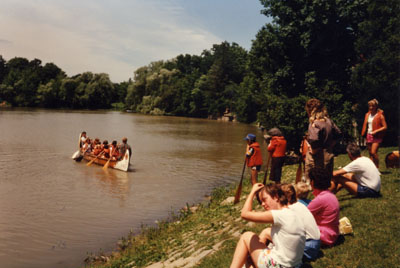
(115, 37)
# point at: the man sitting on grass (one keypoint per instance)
(361, 177)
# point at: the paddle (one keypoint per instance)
(107, 164)
(91, 161)
(299, 171)
(239, 189)
(267, 167)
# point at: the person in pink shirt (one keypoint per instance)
(325, 206)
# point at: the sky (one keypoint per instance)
(119, 36)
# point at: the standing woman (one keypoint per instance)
(287, 232)
(375, 126)
(322, 136)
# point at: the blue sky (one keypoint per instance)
(119, 36)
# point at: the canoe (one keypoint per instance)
(122, 164)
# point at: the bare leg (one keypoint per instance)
(249, 243)
(265, 235)
(347, 181)
(373, 152)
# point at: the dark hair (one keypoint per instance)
(290, 192)
(353, 149)
(105, 142)
(275, 191)
(114, 143)
(321, 178)
(275, 132)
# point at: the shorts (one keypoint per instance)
(265, 260)
(373, 139)
(311, 250)
(364, 191)
(258, 168)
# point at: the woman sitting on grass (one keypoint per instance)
(287, 232)
(325, 206)
(313, 242)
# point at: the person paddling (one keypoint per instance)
(123, 147)
(253, 156)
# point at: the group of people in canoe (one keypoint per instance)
(95, 147)
(300, 227)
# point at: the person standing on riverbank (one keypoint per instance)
(375, 127)
(277, 152)
(253, 157)
(322, 136)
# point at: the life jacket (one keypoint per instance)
(377, 123)
(106, 152)
(255, 159)
(277, 146)
(97, 149)
(114, 151)
(304, 149)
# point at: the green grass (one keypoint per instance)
(374, 243)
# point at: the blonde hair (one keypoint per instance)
(302, 190)
(316, 110)
(373, 102)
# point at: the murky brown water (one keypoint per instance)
(54, 211)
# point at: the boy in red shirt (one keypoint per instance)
(277, 150)
(253, 157)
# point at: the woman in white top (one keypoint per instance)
(287, 232)
(313, 242)
(374, 128)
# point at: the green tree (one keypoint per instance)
(376, 72)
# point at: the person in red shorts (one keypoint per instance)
(375, 127)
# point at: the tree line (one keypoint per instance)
(341, 52)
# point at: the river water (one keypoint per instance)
(54, 211)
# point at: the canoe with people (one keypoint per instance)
(112, 155)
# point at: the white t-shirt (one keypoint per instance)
(288, 236)
(310, 225)
(370, 119)
(365, 172)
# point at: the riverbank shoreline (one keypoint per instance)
(205, 234)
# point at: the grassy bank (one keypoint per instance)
(205, 235)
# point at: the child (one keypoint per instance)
(325, 206)
(302, 191)
(277, 151)
(253, 157)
